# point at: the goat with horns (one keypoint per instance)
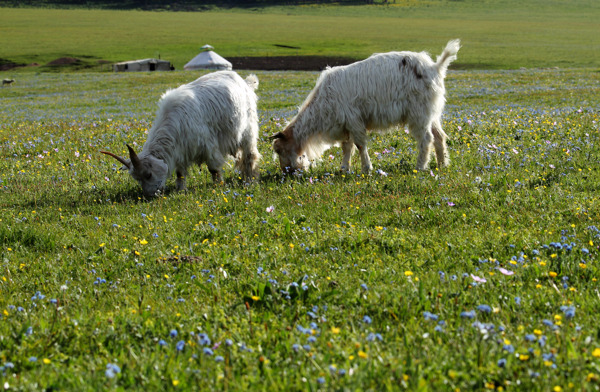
(205, 121)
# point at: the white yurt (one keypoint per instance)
(207, 59)
(143, 65)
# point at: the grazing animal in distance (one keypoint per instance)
(7, 82)
(205, 121)
(386, 89)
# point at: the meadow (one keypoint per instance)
(480, 276)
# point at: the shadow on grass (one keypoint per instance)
(27, 237)
(87, 199)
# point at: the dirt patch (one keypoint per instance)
(64, 61)
(288, 63)
(75, 64)
(271, 63)
(7, 65)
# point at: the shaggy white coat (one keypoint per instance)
(206, 121)
(388, 89)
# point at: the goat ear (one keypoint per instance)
(135, 161)
(118, 158)
(278, 135)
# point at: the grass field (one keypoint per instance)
(480, 276)
(505, 34)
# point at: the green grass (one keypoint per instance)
(351, 282)
(370, 255)
(496, 34)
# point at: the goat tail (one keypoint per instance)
(252, 81)
(447, 56)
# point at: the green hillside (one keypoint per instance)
(496, 35)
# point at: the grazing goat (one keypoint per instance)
(395, 88)
(7, 81)
(204, 121)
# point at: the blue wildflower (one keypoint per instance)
(180, 345)
(321, 380)
(367, 320)
(484, 308)
(502, 362)
(569, 311)
(38, 295)
(374, 336)
(207, 351)
(219, 358)
(203, 339)
(548, 357)
(173, 333)
(301, 329)
(542, 340)
(468, 314)
(530, 337)
(430, 316)
(547, 323)
(112, 370)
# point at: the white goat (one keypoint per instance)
(205, 121)
(395, 88)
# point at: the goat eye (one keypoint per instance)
(148, 176)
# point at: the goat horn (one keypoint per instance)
(135, 161)
(118, 158)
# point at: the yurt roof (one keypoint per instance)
(207, 60)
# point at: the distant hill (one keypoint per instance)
(178, 5)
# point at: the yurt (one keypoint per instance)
(143, 65)
(207, 59)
